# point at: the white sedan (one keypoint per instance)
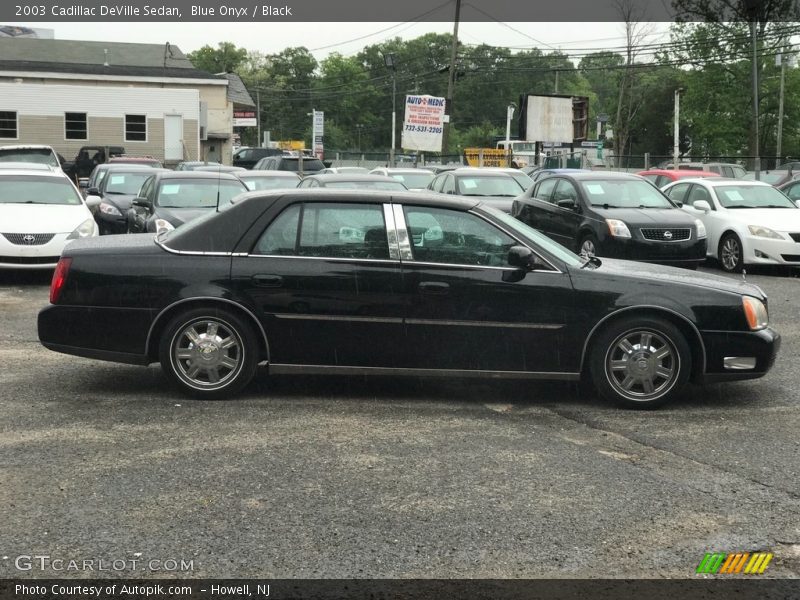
(41, 211)
(748, 222)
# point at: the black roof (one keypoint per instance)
(345, 177)
(269, 173)
(197, 175)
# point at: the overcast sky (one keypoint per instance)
(349, 38)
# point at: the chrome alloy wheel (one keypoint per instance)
(730, 253)
(207, 353)
(642, 365)
(587, 248)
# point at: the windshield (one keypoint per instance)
(413, 180)
(752, 196)
(770, 177)
(623, 193)
(20, 189)
(541, 240)
(477, 185)
(197, 193)
(392, 186)
(42, 156)
(269, 183)
(125, 183)
(522, 179)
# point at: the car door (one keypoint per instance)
(538, 211)
(326, 285)
(138, 215)
(465, 308)
(567, 216)
(714, 219)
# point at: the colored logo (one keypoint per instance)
(722, 563)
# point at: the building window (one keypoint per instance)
(8, 124)
(75, 126)
(135, 128)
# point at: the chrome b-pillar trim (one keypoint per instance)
(391, 232)
(402, 233)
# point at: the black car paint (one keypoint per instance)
(326, 314)
(569, 225)
(113, 224)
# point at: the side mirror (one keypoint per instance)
(92, 203)
(141, 203)
(92, 191)
(797, 203)
(701, 205)
(521, 257)
(567, 203)
(83, 182)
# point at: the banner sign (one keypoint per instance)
(423, 123)
(244, 118)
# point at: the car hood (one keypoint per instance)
(779, 219)
(42, 218)
(122, 201)
(179, 216)
(678, 276)
(647, 217)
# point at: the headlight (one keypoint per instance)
(618, 228)
(759, 231)
(85, 229)
(701, 229)
(162, 226)
(755, 312)
(109, 209)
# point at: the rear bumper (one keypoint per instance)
(761, 345)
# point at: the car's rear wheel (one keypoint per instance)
(209, 353)
(731, 254)
(642, 362)
(588, 245)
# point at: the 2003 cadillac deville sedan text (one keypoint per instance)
(333, 281)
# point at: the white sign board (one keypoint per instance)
(244, 118)
(317, 132)
(423, 123)
(549, 119)
(319, 122)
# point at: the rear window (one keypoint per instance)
(20, 189)
(42, 156)
(309, 164)
(198, 193)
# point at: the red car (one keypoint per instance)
(661, 177)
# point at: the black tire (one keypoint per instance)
(629, 353)
(730, 253)
(214, 359)
(588, 240)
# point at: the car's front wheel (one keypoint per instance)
(730, 253)
(588, 245)
(641, 362)
(210, 353)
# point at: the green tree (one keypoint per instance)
(226, 58)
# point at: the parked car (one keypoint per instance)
(353, 182)
(168, 199)
(748, 222)
(791, 189)
(613, 214)
(269, 180)
(115, 194)
(315, 281)
(343, 171)
(542, 173)
(525, 181)
(191, 165)
(91, 186)
(127, 159)
(220, 169)
(31, 153)
(88, 157)
(413, 179)
(248, 157)
(731, 170)
(289, 163)
(41, 211)
(496, 187)
(775, 178)
(661, 177)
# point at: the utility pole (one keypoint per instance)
(754, 35)
(778, 144)
(451, 81)
(556, 81)
(676, 136)
(258, 114)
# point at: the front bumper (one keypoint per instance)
(689, 252)
(767, 251)
(760, 345)
(40, 256)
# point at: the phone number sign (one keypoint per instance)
(423, 123)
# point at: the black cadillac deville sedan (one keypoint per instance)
(345, 281)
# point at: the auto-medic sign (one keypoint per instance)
(423, 123)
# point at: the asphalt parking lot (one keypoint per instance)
(351, 477)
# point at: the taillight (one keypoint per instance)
(59, 278)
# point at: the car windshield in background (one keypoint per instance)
(489, 186)
(623, 193)
(522, 179)
(42, 156)
(125, 183)
(203, 193)
(392, 186)
(770, 177)
(752, 196)
(32, 190)
(309, 164)
(269, 183)
(413, 180)
(541, 240)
